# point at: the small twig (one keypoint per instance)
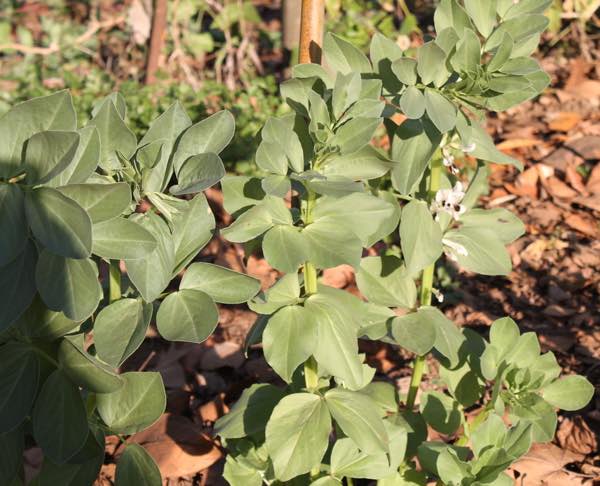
(53, 48)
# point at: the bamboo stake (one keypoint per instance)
(159, 24)
(311, 31)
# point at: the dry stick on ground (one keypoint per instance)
(159, 24)
(53, 48)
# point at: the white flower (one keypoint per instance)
(452, 249)
(448, 161)
(449, 201)
(438, 295)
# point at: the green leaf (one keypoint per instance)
(286, 291)
(136, 405)
(192, 229)
(519, 28)
(441, 412)
(136, 467)
(67, 285)
(491, 433)
(279, 132)
(384, 281)
(450, 14)
(86, 371)
(420, 236)
(532, 409)
(12, 445)
(198, 173)
(355, 134)
(250, 414)
(448, 338)
(151, 275)
(17, 285)
(518, 440)
(276, 185)
(369, 217)
(348, 460)
(430, 452)
(330, 244)
(237, 474)
(431, 64)
(19, 375)
(285, 248)
(101, 201)
(345, 93)
(504, 334)
(337, 347)
(222, 284)
(502, 54)
(116, 139)
(468, 54)
(357, 416)
(413, 145)
(414, 332)
(84, 162)
(188, 315)
(52, 112)
(254, 222)
(570, 393)
(13, 226)
(482, 251)
(297, 434)
(505, 223)
(289, 339)
(164, 132)
(59, 419)
(483, 15)
(440, 110)
(451, 469)
(527, 7)
(405, 70)
(484, 145)
(364, 164)
(121, 238)
(271, 158)
(412, 103)
(59, 223)
(448, 39)
(212, 135)
(47, 154)
(39, 322)
(120, 328)
(343, 56)
(240, 192)
(383, 51)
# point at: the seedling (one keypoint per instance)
(323, 198)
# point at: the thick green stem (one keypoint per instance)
(114, 281)
(311, 375)
(426, 290)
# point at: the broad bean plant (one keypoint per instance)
(74, 203)
(325, 195)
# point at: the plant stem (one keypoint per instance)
(311, 375)
(114, 281)
(426, 288)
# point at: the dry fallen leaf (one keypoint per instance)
(564, 121)
(575, 435)
(558, 188)
(178, 445)
(544, 465)
(584, 224)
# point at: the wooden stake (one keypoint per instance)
(157, 39)
(311, 31)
